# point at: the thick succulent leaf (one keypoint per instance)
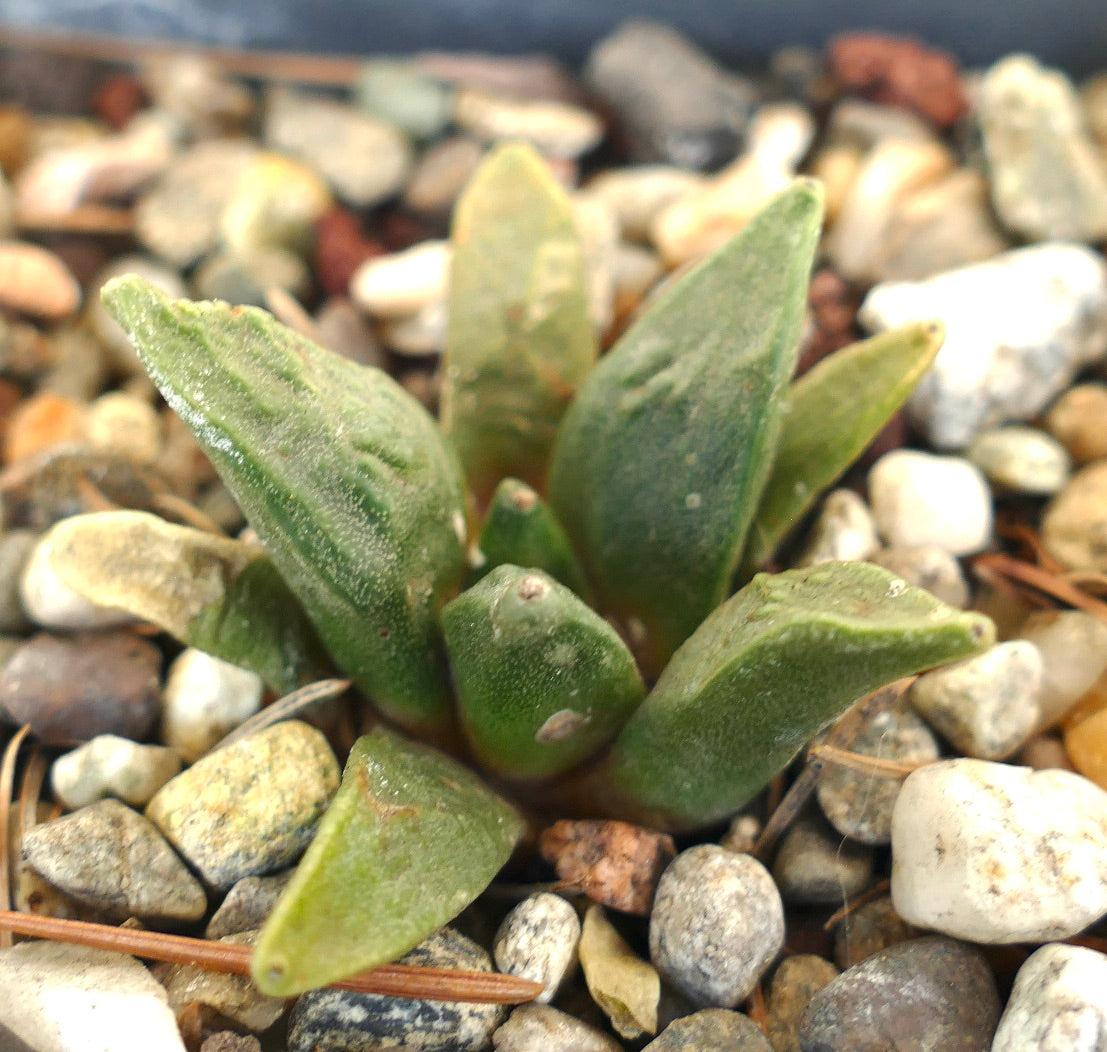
(778, 661)
(662, 458)
(220, 595)
(343, 475)
(410, 839)
(837, 408)
(519, 339)
(521, 529)
(542, 681)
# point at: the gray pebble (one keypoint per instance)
(110, 857)
(538, 940)
(717, 923)
(711, 1030)
(229, 1041)
(247, 905)
(252, 807)
(927, 566)
(15, 552)
(815, 865)
(542, 1028)
(242, 279)
(869, 928)
(340, 1021)
(1021, 459)
(930, 993)
(112, 766)
(794, 983)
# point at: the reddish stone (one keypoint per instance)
(340, 248)
(833, 306)
(118, 99)
(42, 421)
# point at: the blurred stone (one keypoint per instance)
(843, 531)
(120, 423)
(1074, 525)
(1021, 459)
(711, 1030)
(1078, 420)
(34, 281)
(398, 92)
(198, 92)
(108, 765)
(868, 929)
(1073, 648)
(541, 1028)
(16, 547)
(401, 283)
(638, 194)
(441, 173)
(538, 940)
(244, 278)
(554, 128)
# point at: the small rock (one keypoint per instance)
(252, 807)
(120, 423)
(814, 865)
(1058, 1003)
(538, 940)
(112, 766)
(929, 993)
(199, 93)
(365, 160)
(918, 498)
(416, 335)
(927, 566)
(676, 105)
(1048, 180)
(397, 92)
(337, 1019)
(40, 423)
(534, 1027)
(844, 531)
(998, 854)
(987, 706)
(1018, 327)
(205, 699)
(869, 928)
(711, 1030)
(16, 547)
(742, 834)
(598, 230)
(441, 174)
(73, 689)
(1044, 751)
(1078, 420)
(860, 805)
(229, 1041)
(35, 281)
(556, 129)
(1074, 525)
(247, 905)
(863, 125)
(636, 270)
(794, 983)
(716, 926)
(80, 367)
(637, 195)
(1073, 648)
(401, 283)
(1021, 459)
(111, 1001)
(341, 246)
(341, 327)
(110, 857)
(244, 278)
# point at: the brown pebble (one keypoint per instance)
(1044, 752)
(340, 248)
(42, 421)
(118, 98)
(10, 397)
(16, 132)
(35, 281)
(229, 1041)
(872, 927)
(614, 863)
(74, 688)
(1078, 420)
(794, 983)
(833, 307)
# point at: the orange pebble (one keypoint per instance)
(42, 421)
(35, 281)
(1085, 729)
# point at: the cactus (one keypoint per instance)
(670, 476)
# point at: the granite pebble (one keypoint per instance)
(539, 1027)
(538, 940)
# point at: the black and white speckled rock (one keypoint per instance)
(247, 905)
(538, 940)
(711, 1030)
(717, 923)
(814, 864)
(543, 1028)
(340, 1021)
(794, 983)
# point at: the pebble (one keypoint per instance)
(1085, 739)
(860, 805)
(1021, 459)
(862, 125)
(711, 1030)
(542, 1028)
(416, 335)
(929, 993)
(638, 194)
(1073, 648)
(1058, 1003)
(1018, 327)
(36, 282)
(538, 940)
(123, 424)
(339, 1020)
(918, 498)
(556, 129)
(716, 926)
(868, 929)
(1048, 179)
(1078, 420)
(399, 284)
(674, 103)
(229, 1041)
(397, 92)
(440, 174)
(110, 857)
(814, 865)
(205, 698)
(250, 808)
(998, 854)
(247, 905)
(72, 689)
(742, 834)
(927, 566)
(844, 531)
(1074, 525)
(80, 367)
(365, 160)
(111, 1001)
(795, 982)
(1045, 751)
(987, 706)
(42, 422)
(112, 766)
(636, 270)
(245, 278)
(16, 547)
(199, 93)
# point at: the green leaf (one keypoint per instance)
(661, 460)
(410, 839)
(763, 674)
(542, 681)
(521, 529)
(837, 409)
(343, 475)
(222, 596)
(519, 340)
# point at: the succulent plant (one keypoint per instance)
(607, 634)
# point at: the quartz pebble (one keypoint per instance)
(932, 993)
(554, 128)
(538, 940)
(998, 854)
(400, 284)
(250, 808)
(16, 547)
(1018, 327)
(1078, 420)
(1021, 459)
(711, 1030)
(814, 865)
(918, 498)
(247, 905)
(35, 281)
(795, 982)
(637, 195)
(338, 1019)
(112, 766)
(1073, 648)
(1058, 1003)
(987, 706)
(844, 531)
(541, 1028)
(1074, 525)
(871, 927)
(110, 857)
(927, 566)
(716, 926)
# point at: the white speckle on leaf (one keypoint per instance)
(561, 725)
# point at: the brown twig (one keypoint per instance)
(1041, 580)
(7, 791)
(876, 766)
(285, 708)
(855, 903)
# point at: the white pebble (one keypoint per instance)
(1073, 647)
(927, 566)
(1022, 459)
(112, 766)
(399, 284)
(638, 194)
(538, 940)
(919, 499)
(844, 531)
(992, 853)
(556, 128)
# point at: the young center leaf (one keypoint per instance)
(660, 461)
(343, 475)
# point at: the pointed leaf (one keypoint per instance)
(542, 681)
(222, 596)
(837, 409)
(661, 459)
(519, 339)
(343, 475)
(761, 676)
(410, 839)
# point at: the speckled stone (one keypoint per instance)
(247, 905)
(538, 940)
(543, 1028)
(794, 983)
(869, 928)
(815, 865)
(252, 807)
(1074, 526)
(340, 1021)
(112, 766)
(711, 1030)
(929, 994)
(927, 566)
